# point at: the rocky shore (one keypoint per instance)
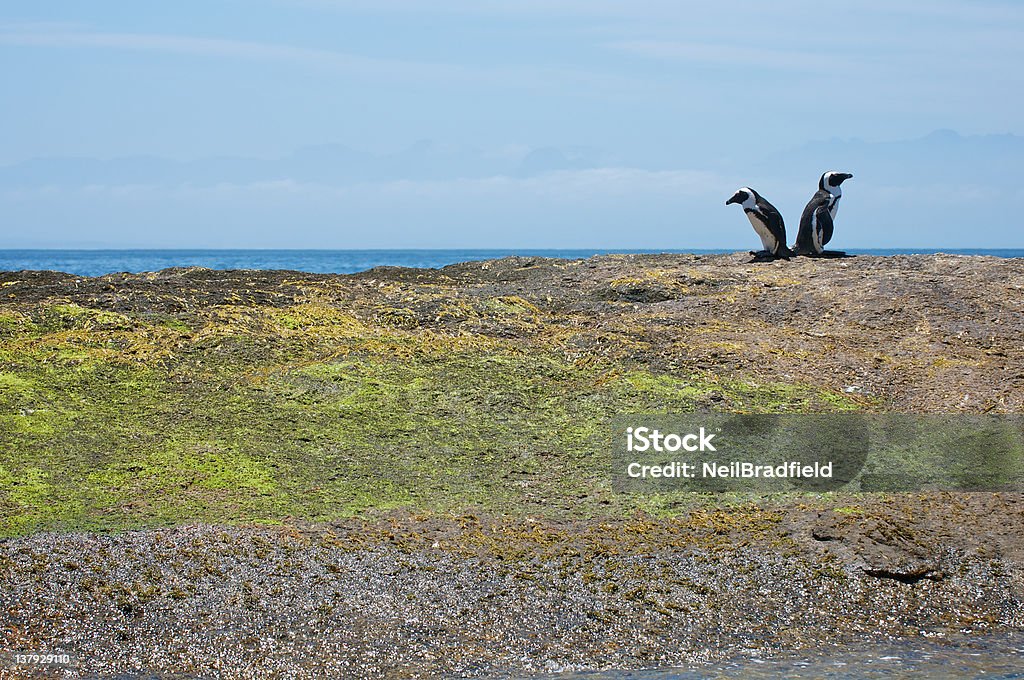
(447, 596)
(403, 473)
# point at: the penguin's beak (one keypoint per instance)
(732, 200)
(846, 175)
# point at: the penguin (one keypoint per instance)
(767, 222)
(818, 218)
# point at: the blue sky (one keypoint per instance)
(559, 123)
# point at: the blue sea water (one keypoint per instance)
(999, 656)
(99, 262)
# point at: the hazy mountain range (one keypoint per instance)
(326, 163)
(335, 195)
(942, 155)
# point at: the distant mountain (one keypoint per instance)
(942, 157)
(327, 163)
(551, 159)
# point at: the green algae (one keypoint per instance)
(114, 420)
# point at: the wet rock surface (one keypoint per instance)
(490, 596)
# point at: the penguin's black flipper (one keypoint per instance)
(823, 220)
(824, 224)
(776, 225)
(827, 227)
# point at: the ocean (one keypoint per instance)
(99, 262)
(997, 656)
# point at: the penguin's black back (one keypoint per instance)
(804, 237)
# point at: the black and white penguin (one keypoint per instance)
(818, 218)
(766, 220)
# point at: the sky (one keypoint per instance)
(518, 124)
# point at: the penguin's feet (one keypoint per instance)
(762, 256)
(822, 254)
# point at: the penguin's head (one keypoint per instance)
(745, 196)
(831, 180)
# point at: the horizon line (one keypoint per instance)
(609, 249)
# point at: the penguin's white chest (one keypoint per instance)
(833, 206)
(767, 239)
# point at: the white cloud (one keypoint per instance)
(238, 49)
(726, 54)
(562, 186)
(528, 77)
(547, 8)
